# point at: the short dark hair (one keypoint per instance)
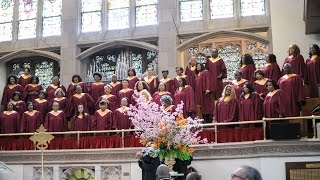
(274, 83)
(167, 71)
(272, 58)
(27, 69)
(134, 71)
(78, 76)
(34, 77)
(12, 76)
(28, 103)
(97, 74)
(238, 72)
(259, 72)
(184, 81)
(180, 68)
(43, 92)
(16, 93)
(316, 48)
(202, 68)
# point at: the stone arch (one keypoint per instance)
(117, 43)
(25, 53)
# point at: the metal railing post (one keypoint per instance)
(215, 133)
(122, 137)
(314, 127)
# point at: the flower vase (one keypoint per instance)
(170, 161)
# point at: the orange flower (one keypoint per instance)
(184, 149)
(179, 146)
(191, 150)
(143, 142)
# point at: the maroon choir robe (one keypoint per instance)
(292, 86)
(96, 90)
(42, 106)
(191, 73)
(19, 106)
(84, 99)
(176, 81)
(274, 104)
(116, 87)
(111, 102)
(250, 108)
(125, 93)
(312, 76)
(169, 85)
(186, 95)
(9, 121)
(121, 119)
(203, 83)
(30, 121)
(56, 122)
(24, 80)
(132, 81)
(157, 96)
(72, 90)
(81, 123)
(260, 87)
(102, 120)
(63, 103)
(153, 83)
(51, 89)
(31, 88)
(248, 72)
(8, 92)
(297, 63)
(238, 86)
(272, 71)
(226, 111)
(216, 67)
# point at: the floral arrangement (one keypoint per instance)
(168, 134)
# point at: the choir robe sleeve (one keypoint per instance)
(191, 76)
(90, 104)
(190, 104)
(93, 123)
(280, 106)
(70, 91)
(257, 106)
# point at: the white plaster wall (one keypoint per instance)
(287, 26)
(16, 175)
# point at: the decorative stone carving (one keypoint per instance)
(111, 173)
(47, 171)
(78, 173)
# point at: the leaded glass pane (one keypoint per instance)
(45, 73)
(116, 4)
(6, 11)
(146, 15)
(145, 2)
(118, 18)
(52, 26)
(27, 9)
(6, 31)
(52, 8)
(231, 54)
(91, 21)
(91, 5)
(27, 29)
(221, 9)
(252, 7)
(190, 10)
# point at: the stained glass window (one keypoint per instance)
(91, 15)
(231, 54)
(146, 12)
(221, 9)
(252, 7)
(190, 10)
(51, 17)
(44, 71)
(27, 19)
(118, 14)
(6, 17)
(259, 53)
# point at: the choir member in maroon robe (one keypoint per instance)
(161, 92)
(116, 85)
(250, 104)
(109, 98)
(56, 120)
(11, 87)
(121, 119)
(312, 77)
(97, 88)
(25, 78)
(102, 118)
(296, 60)
(260, 84)
(238, 83)
(179, 71)
(41, 104)
(60, 99)
(191, 71)
(272, 69)
(292, 86)
(218, 71)
(226, 109)
(132, 78)
(274, 105)
(80, 98)
(76, 80)
(81, 121)
(185, 94)
(31, 91)
(31, 120)
(51, 89)
(9, 120)
(247, 67)
(167, 104)
(18, 104)
(151, 80)
(169, 82)
(125, 92)
(202, 93)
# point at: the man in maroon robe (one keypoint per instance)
(190, 71)
(292, 86)
(55, 120)
(116, 85)
(179, 71)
